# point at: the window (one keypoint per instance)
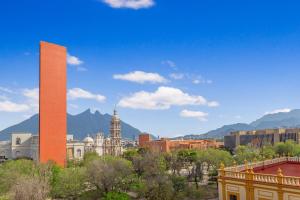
(18, 141)
(79, 153)
(232, 197)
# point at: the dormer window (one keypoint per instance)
(18, 141)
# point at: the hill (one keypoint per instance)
(277, 120)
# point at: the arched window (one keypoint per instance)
(18, 141)
(79, 153)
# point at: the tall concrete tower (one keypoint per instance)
(53, 98)
(115, 135)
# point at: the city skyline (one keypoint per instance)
(183, 74)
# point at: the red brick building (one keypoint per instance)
(53, 97)
(167, 145)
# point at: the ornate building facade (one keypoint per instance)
(115, 147)
(275, 179)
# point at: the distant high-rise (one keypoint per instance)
(53, 119)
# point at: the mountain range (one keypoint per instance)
(90, 123)
(277, 120)
(78, 125)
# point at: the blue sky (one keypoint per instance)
(171, 67)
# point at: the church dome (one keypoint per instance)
(88, 139)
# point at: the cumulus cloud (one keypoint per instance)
(9, 106)
(78, 93)
(162, 98)
(283, 110)
(176, 76)
(132, 4)
(141, 77)
(194, 114)
(73, 60)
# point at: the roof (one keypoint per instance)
(288, 168)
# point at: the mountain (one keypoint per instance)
(277, 120)
(79, 125)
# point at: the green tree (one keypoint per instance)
(70, 183)
(90, 157)
(287, 148)
(248, 153)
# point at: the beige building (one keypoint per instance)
(259, 138)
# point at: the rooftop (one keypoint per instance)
(283, 170)
(289, 168)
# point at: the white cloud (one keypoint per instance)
(78, 93)
(7, 90)
(162, 98)
(132, 4)
(73, 60)
(201, 80)
(141, 77)
(283, 110)
(169, 63)
(31, 93)
(213, 104)
(177, 76)
(32, 96)
(74, 106)
(8, 106)
(238, 117)
(3, 97)
(194, 114)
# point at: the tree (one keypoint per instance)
(248, 153)
(89, 157)
(149, 164)
(12, 170)
(70, 183)
(130, 154)
(267, 152)
(110, 174)
(287, 148)
(159, 187)
(116, 196)
(30, 188)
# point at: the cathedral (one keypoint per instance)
(106, 146)
(26, 144)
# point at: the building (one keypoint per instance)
(276, 179)
(167, 145)
(27, 144)
(113, 144)
(52, 103)
(259, 138)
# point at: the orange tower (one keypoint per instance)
(53, 119)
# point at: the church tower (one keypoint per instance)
(115, 135)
